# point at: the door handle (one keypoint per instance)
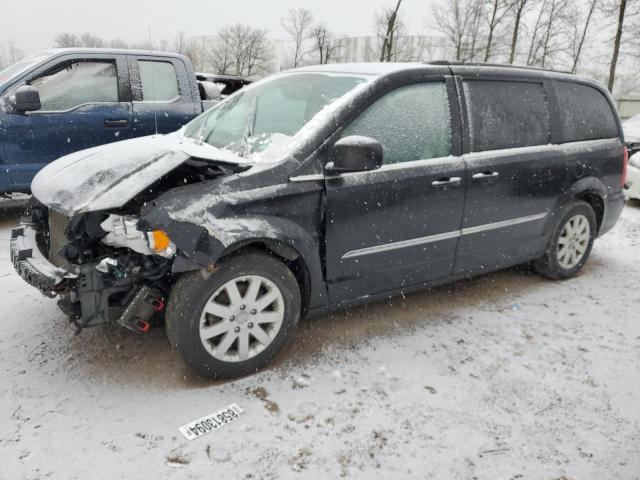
(116, 123)
(447, 182)
(485, 176)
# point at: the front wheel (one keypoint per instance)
(234, 321)
(571, 243)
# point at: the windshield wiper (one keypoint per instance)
(249, 126)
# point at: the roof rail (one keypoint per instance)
(499, 65)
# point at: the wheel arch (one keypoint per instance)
(590, 190)
(283, 252)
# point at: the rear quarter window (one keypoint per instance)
(585, 113)
(504, 114)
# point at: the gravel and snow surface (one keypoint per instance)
(507, 376)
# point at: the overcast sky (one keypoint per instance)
(33, 24)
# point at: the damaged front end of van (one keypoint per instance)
(89, 235)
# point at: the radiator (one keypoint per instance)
(57, 227)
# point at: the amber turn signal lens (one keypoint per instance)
(158, 240)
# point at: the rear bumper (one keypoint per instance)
(613, 206)
(32, 266)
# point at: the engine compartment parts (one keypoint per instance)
(136, 317)
(122, 231)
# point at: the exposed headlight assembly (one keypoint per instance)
(122, 231)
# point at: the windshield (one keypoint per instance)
(262, 120)
(19, 67)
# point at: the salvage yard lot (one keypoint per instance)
(507, 376)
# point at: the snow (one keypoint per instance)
(453, 383)
(108, 176)
(631, 128)
(226, 230)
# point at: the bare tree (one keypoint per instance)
(180, 43)
(91, 41)
(193, 50)
(460, 22)
(117, 43)
(554, 32)
(388, 29)
(325, 43)
(621, 11)
(297, 23)
(550, 34)
(519, 9)
(497, 11)
(579, 37)
(258, 54)
(221, 53)
(66, 40)
(241, 50)
(9, 54)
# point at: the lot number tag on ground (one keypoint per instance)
(212, 422)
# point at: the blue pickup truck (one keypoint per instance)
(64, 100)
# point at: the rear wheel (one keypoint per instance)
(570, 244)
(235, 320)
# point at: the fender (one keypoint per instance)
(586, 185)
(225, 223)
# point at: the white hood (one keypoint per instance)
(109, 176)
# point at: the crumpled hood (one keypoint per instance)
(109, 176)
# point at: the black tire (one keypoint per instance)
(192, 292)
(549, 264)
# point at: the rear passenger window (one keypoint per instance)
(159, 81)
(506, 115)
(585, 113)
(411, 123)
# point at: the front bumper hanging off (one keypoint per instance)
(33, 266)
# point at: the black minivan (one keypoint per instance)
(321, 188)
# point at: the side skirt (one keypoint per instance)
(388, 295)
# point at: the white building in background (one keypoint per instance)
(411, 48)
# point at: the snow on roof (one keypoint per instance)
(57, 51)
(372, 68)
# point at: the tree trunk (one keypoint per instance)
(516, 27)
(533, 48)
(576, 59)
(616, 45)
(547, 36)
(492, 27)
(387, 42)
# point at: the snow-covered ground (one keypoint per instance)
(508, 376)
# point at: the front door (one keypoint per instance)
(84, 104)
(398, 226)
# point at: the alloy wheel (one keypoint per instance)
(242, 318)
(573, 241)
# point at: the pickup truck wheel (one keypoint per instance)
(232, 322)
(570, 244)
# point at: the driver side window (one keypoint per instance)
(77, 83)
(411, 123)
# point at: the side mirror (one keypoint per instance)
(26, 99)
(355, 154)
